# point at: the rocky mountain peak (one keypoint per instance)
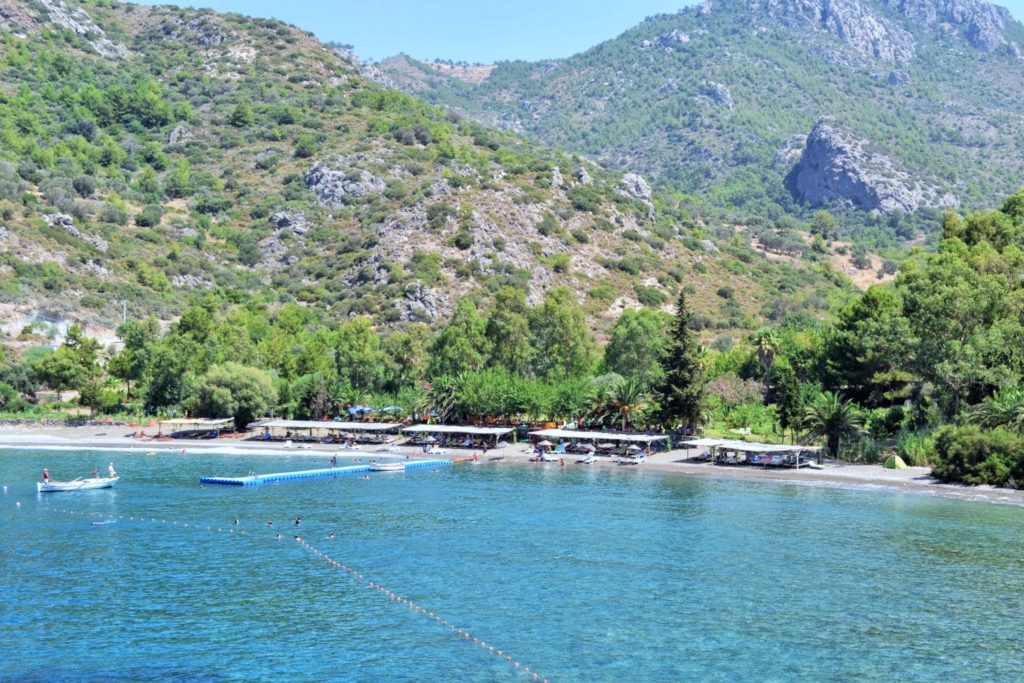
(864, 30)
(980, 22)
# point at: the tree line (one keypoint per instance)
(929, 366)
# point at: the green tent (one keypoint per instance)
(895, 462)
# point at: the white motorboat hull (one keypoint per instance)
(387, 467)
(77, 485)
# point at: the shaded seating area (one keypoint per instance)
(456, 436)
(326, 431)
(616, 444)
(731, 452)
(194, 427)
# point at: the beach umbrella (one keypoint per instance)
(430, 439)
(545, 442)
(634, 447)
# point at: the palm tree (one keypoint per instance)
(830, 417)
(766, 342)
(624, 401)
(1005, 409)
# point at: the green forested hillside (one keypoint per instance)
(715, 100)
(149, 153)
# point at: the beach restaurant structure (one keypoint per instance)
(457, 436)
(615, 438)
(193, 427)
(734, 452)
(317, 430)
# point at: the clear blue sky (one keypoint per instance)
(471, 30)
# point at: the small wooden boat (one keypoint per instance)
(387, 467)
(80, 484)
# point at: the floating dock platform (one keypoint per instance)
(260, 479)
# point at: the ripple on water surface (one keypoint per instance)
(580, 574)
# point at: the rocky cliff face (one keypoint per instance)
(981, 23)
(865, 31)
(838, 167)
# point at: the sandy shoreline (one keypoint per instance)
(913, 479)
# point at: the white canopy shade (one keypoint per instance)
(330, 425)
(598, 436)
(457, 429)
(747, 446)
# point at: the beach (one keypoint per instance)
(675, 462)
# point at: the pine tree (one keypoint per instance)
(682, 390)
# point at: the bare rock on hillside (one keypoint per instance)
(203, 30)
(179, 134)
(556, 178)
(293, 220)
(790, 152)
(81, 24)
(867, 32)
(67, 224)
(582, 177)
(335, 183)
(979, 22)
(635, 187)
(836, 166)
(720, 93)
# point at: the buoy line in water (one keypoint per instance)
(422, 611)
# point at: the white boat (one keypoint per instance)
(387, 467)
(52, 486)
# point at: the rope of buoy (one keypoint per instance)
(390, 595)
(465, 635)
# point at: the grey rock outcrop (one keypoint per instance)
(672, 38)
(836, 166)
(979, 22)
(633, 186)
(899, 78)
(335, 183)
(80, 23)
(867, 32)
(582, 177)
(289, 219)
(66, 223)
(421, 304)
(720, 93)
(789, 152)
(556, 178)
(179, 134)
(203, 30)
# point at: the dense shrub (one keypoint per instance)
(972, 455)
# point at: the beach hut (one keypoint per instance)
(895, 462)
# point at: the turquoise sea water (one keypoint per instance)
(580, 574)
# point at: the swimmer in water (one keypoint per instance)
(331, 535)
(278, 537)
(236, 522)
(270, 522)
(298, 521)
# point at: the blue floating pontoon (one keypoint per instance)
(260, 479)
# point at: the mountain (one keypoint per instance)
(876, 109)
(152, 154)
